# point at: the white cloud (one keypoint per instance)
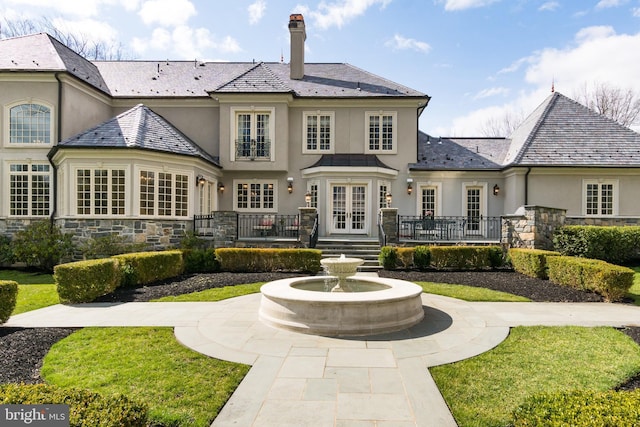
(167, 13)
(399, 42)
(604, 4)
(339, 13)
(184, 43)
(84, 8)
(549, 6)
(88, 29)
(490, 92)
(256, 11)
(571, 68)
(636, 12)
(515, 66)
(466, 4)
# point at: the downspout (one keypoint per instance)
(54, 182)
(526, 186)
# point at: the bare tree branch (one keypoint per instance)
(498, 127)
(619, 104)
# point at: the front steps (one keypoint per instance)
(352, 247)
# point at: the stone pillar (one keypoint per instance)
(389, 222)
(532, 227)
(225, 228)
(307, 220)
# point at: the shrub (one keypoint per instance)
(106, 246)
(200, 261)
(530, 262)
(388, 257)
(264, 260)
(6, 251)
(42, 245)
(192, 241)
(616, 245)
(610, 281)
(422, 257)
(405, 257)
(141, 268)
(462, 257)
(84, 281)
(579, 408)
(8, 297)
(86, 408)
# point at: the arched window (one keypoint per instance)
(30, 124)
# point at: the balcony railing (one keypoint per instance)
(253, 150)
(254, 226)
(449, 228)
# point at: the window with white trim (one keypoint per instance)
(30, 124)
(318, 132)
(428, 200)
(384, 187)
(255, 196)
(163, 193)
(313, 190)
(600, 197)
(254, 133)
(29, 189)
(100, 192)
(207, 197)
(381, 130)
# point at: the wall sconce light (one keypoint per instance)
(201, 180)
(307, 199)
(496, 190)
(388, 198)
(290, 184)
(221, 187)
(409, 186)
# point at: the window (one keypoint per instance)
(30, 124)
(474, 207)
(428, 201)
(255, 196)
(253, 135)
(318, 132)
(164, 194)
(381, 132)
(600, 197)
(29, 189)
(100, 192)
(207, 197)
(313, 190)
(383, 188)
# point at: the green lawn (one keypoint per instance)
(484, 390)
(469, 293)
(181, 387)
(215, 294)
(35, 290)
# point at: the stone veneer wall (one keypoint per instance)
(603, 221)
(532, 227)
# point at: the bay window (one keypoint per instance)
(163, 194)
(29, 190)
(100, 192)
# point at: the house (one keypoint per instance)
(152, 149)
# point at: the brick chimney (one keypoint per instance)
(298, 36)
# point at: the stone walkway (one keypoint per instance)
(302, 380)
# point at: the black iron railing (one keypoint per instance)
(253, 149)
(448, 228)
(313, 237)
(268, 226)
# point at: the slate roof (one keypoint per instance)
(41, 52)
(138, 128)
(460, 153)
(560, 132)
(151, 79)
(350, 160)
(566, 133)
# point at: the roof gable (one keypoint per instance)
(259, 79)
(139, 128)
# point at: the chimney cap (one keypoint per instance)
(296, 17)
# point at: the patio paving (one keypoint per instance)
(302, 380)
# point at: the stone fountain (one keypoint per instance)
(341, 303)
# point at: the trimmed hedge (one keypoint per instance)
(84, 281)
(579, 408)
(610, 281)
(142, 268)
(86, 408)
(8, 298)
(616, 245)
(441, 257)
(266, 260)
(531, 262)
(200, 261)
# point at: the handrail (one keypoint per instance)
(448, 228)
(313, 238)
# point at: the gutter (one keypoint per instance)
(526, 186)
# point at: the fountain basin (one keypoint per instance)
(395, 305)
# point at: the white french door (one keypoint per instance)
(348, 208)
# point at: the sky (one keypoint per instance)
(478, 60)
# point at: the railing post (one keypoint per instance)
(389, 222)
(307, 219)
